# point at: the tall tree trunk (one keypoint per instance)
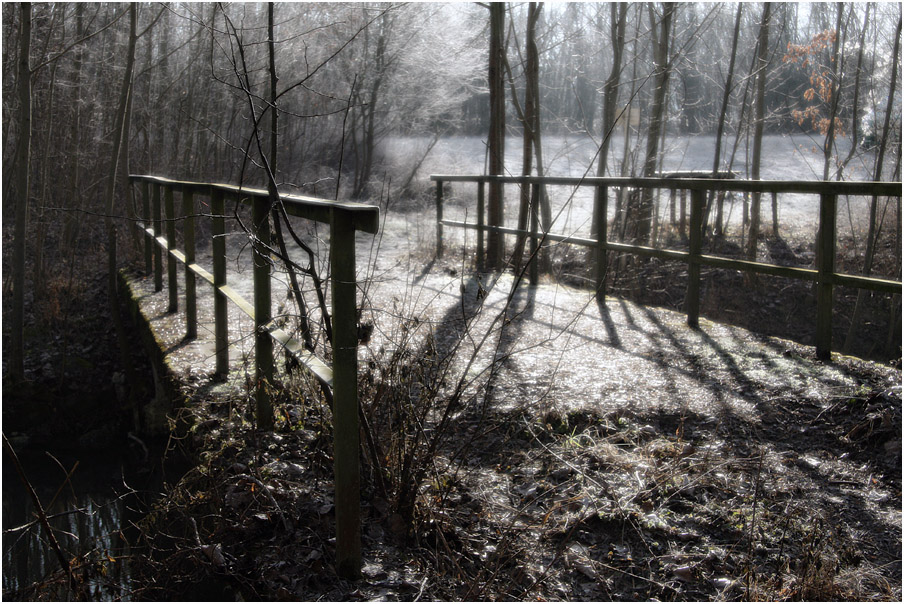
(855, 107)
(871, 234)
(531, 87)
(369, 122)
(762, 62)
(22, 170)
(835, 87)
(533, 68)
(720, 129)
(119, 135)
(41, 231)
(71, 220)
(624, 205)
(274, 193)
(657, 118)
(618, 13)
(496, 142)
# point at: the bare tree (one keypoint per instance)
(496, 140)
(873, 235)
(762, 62)
(529, 115)
(661, 27)
(119, 136)
(720, 129)
(618, 15)
(22, 180)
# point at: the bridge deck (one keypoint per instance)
(558, 347)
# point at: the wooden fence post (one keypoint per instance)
(146, 218)
(534, 228)
(263, 345)
(439, 219)
(480, 224)
(695, 244)
(600, 231)
(191, 297)
(220, 306)
(169, 211)
(345, 393)
(826, 266)
(158, 254)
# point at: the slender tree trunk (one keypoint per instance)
(368, 135)
(119, 136)
(618, 14)
(125, 166)
(71, 220)
(496, 142)
(274, 193)
(527, 157)
(762, 62)
(855, 108)
(720, 129)
(835, 88)
(657, 119)
(871, 234)
(41, 234)
(533, 68)
(22, 169)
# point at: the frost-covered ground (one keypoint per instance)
(603, 451)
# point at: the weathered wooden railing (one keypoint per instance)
(824, 275)
(344, 219)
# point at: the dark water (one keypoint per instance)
(91, 513)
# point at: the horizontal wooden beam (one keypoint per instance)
(872, 283)
(365, 217)
(322, 371)
(309, 360)
(746, 266)
(891, 189)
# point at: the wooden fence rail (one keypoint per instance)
(344, 219)
(824, 275)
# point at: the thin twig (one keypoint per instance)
(42, 516)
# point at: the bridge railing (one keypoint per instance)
(344, 220)
(824, 274)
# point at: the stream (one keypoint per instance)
(92, 514)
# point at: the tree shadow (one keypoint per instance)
(608, 323)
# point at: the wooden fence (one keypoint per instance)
(344, 219)
(824, 274)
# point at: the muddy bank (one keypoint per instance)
(75, 393)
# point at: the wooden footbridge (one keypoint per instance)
(162, 226)
(824, 275)
(338, 378)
